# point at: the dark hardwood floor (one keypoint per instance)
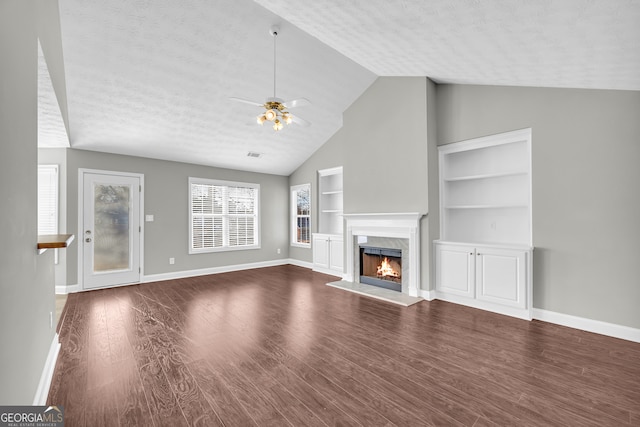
(275, 346)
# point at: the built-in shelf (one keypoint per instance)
(327, 242)
(486, 206)
(330, 202)
(54, 241)
(484, 258)
(485, 189)
(485, 176)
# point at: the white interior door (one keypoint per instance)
(111, 230)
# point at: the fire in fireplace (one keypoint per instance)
(381, 267)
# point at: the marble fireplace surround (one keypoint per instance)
(385, 225)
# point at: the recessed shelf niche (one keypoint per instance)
(485, 190)
(330, 200)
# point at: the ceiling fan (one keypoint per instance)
(276, 110)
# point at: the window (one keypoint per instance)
(301, 215)
(48, 201)
(223, 215)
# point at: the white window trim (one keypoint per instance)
(294, 215)
(205, 181)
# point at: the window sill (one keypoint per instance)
(223, 249)
(301, 245)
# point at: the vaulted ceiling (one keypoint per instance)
(153, 78)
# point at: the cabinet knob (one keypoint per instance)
(470, 253)
(478, 254)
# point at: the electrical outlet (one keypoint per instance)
(172, 261)
(278, 251)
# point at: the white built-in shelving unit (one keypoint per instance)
(330, 200)
(483, 257)
(328, 242)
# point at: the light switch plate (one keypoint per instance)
(148, 218)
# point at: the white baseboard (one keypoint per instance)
(506, 310)
(213, 270)
(67, 289)
(62, 289)
(589, 325)
(47, 373)
(299, 263)
(428, 295)
(326, 271)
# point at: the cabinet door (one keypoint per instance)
(455, 270)
(321, 251)
(335, 254)
(501, 276)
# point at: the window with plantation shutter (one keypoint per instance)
(223, 215)
(48, 201)
(301, 215)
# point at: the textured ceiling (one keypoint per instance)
(51, 130)
(553, 43)
(152, 77)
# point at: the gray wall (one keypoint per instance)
(383, 149)
(586, 199)
(330, 155)
(586, 202)
(26, 279)
(385, 163)
(433, 220)
(166, 197)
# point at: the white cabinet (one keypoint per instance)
(320, 251)
(336, 258)
(484, 255)
(455, 269)
(501, 276)
(488, 277)
(328, 253)
(328, 242)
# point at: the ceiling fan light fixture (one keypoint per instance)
(275, 109)
(270, 115)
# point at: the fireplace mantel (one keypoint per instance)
(398, 225)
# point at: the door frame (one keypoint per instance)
(81, 174)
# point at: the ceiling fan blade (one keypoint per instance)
(302, 122)
(246, 101)
(300, 102)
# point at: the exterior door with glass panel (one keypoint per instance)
(111, 230)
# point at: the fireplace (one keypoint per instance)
(381, 267)
(381, 230)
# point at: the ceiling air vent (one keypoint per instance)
(254, 154)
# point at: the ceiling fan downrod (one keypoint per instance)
(274, 32)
